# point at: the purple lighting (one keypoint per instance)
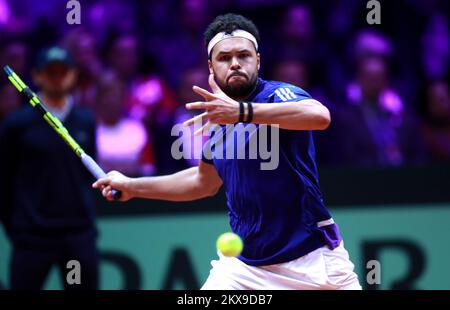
(5, 13)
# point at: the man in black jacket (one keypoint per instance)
(46, 208)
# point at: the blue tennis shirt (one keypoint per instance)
(276, 209)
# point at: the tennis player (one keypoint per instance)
(290, 238)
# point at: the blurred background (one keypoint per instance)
(384, 162)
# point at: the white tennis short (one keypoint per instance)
(322, 269)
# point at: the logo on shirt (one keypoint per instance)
(285, 94)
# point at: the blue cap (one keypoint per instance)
(52, 55)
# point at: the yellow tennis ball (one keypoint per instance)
(229, 244)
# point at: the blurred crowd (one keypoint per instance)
(387, 85)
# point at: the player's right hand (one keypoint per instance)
(116, 180)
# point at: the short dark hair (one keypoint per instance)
(228, 23)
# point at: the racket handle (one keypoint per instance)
(97, 172)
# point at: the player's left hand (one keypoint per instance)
(220, 109)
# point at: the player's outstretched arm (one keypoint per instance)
(306, 114)
(190, 184)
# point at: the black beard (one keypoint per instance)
(241, 91)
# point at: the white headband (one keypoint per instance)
(235, 34)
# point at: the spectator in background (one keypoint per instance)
(148, 98)
(376, 127)
(297, 40)
(103, 16)
(81, 44)
(15, 54)
(9, 100)
(297, 72)
(367, 44)
(191, 17)
(195, 76)
(292, 71)
(297, 28)
(122, 142)
(436, 126)
(123, 55)
(46, 208)
(436, 47)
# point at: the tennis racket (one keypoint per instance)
(56, 124)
